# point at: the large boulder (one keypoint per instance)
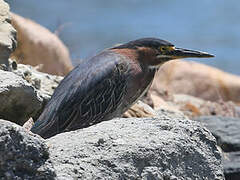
(167, 147)
(23, 155)
(195, 79)
(231, 164)
(225, 129)
(7, 35)
(19, 100)
(38, 46)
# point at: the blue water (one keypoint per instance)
(90, 26)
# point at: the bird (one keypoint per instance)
(106, 85)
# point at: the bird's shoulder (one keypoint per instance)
(92, 92)
(105, 68)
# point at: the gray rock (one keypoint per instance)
(225, 129)
(231, 164)
(19, 100)
(22, 155)
(7, 35)
(43, 82)
(165, 147)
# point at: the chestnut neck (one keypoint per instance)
(131, 54)
(142, 55)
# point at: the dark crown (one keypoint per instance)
(144, 42)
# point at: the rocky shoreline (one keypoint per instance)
(167, 135)
(163, 147)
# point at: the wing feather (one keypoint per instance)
(85, 96)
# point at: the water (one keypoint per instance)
(90, 26)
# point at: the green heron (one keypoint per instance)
(106, 85)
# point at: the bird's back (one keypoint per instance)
(87, 95)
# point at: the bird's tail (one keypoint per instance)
(47, 124)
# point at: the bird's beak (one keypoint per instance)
(177, 53)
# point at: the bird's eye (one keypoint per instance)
(163, 49)
(167, 48)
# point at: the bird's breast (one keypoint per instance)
(138, 77)
(139, 81)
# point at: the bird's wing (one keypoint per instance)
(85, 96)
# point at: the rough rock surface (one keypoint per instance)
(7, 34)
(231, 164)
(166, 147)
(19, 100)
(225, 129)
(22, 155)
(38, 46)
(43, 82)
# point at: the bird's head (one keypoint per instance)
(153, 52)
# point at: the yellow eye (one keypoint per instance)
(166, 48)
(163, 48)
